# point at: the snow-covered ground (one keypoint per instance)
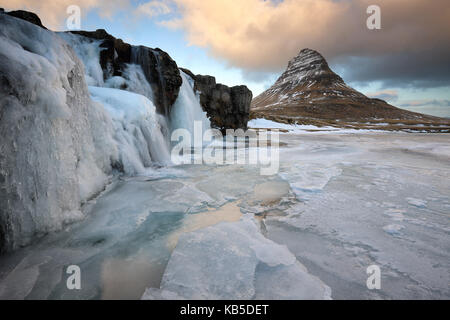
(302, 129)
(346, 127)
(340, 203)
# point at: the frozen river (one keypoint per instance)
(340, 203)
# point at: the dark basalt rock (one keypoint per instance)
(115, 54)
(227, 108)
(160, 70)
(26, 15)
(162, 73)
(99, 34)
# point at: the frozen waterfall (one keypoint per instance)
(140, 133)
(187, 108)
(137, 130)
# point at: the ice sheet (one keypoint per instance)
(232, 260)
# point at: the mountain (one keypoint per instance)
(309, 89)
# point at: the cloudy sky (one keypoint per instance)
(406, 62)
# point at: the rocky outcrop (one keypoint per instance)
(27, 16)
(160, 70)
(115, 52)
(162, 73)
(227, 108)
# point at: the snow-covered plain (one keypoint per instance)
(302, 129)
(340, 203)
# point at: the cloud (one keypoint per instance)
(426, 102)
(260, 37)
(389, 95)
(425, 68)
(171, 24)
(435, 107)
(257, 76)
(153, 8)
(53, 13)
(412, 48)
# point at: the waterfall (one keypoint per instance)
(187, 108)
(150, 62)
(141, 135)
(88, 51)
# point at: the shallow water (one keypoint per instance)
(340, 203)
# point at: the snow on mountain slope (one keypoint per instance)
(309, 88)
(307, 76)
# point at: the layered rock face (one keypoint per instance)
(309, 88)
(227, 108)
(160, 70)
(162, 73)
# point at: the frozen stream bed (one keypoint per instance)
(340, 203)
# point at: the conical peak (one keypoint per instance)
(308, 58)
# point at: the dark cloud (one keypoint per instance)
(425, 68)
(412, 49)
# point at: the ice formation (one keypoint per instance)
(187, 108)
(137, 129)
(62, 138)
(202, 267)
(56, 145)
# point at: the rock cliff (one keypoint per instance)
(227, 108)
